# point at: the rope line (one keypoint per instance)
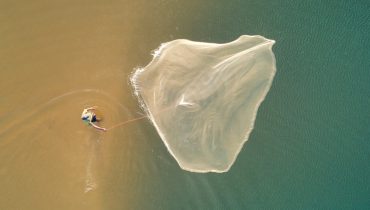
(126, 122)
(133, 120)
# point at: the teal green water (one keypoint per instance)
(310, 146)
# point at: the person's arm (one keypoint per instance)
(97, 127)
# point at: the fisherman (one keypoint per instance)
(89, 117)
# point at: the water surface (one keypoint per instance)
(309, 147)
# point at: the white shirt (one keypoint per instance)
(87, 115)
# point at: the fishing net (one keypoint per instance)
(203, 98)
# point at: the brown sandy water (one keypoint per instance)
(56, 59)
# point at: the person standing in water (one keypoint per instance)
(89, 117)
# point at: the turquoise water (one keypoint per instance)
(310, 146)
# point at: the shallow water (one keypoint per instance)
(309, 147)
